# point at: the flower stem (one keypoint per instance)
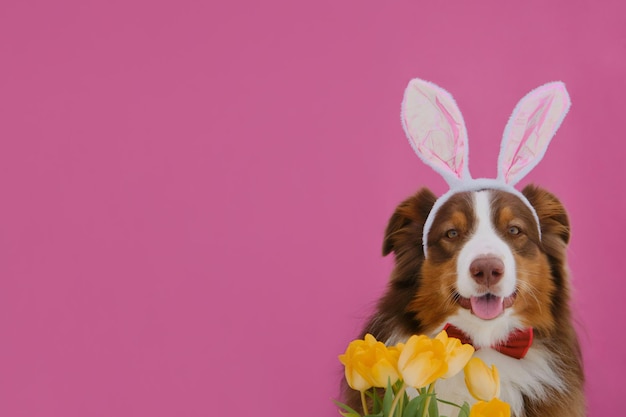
(449, 403)
(431, 387)
(399, 394)
(364, 403)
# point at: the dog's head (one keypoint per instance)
(488, 270)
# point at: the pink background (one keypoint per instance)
(193, 193)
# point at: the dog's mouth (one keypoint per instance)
(487, 306)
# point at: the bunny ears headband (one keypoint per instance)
(436, 131)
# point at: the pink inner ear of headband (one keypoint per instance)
(435, 128)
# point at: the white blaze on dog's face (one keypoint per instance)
(486, 270)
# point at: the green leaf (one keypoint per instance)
(349, 412)
(433, 407)
(397, 385)
(387, 400)
(465, 410)
(414, 406)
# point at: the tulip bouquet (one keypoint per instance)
(418, 364)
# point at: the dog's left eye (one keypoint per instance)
(452, 233)
(514, 230)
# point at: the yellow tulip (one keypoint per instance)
(422, 360)
(493, 408)
(457, 354)
(385, 368)
(369, 363)
(482, 382)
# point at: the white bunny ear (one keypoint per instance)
(435, 128)
(534, 121)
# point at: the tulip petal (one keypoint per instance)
(493, 408)
(482, 382)
(423, 369)
(383, 373)
(357, 381)
(457, 359)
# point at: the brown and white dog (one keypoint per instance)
(486, 259)
(494, 270)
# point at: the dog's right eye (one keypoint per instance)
(452, 234)
(514, 230)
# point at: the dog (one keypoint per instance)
(488, 264)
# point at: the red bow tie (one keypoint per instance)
(516, 346)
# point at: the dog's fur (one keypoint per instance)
(426, 293)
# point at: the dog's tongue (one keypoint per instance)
(488, 306)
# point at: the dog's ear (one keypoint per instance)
(407, 222)
(555, 228)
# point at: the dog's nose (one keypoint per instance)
(487, 270)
